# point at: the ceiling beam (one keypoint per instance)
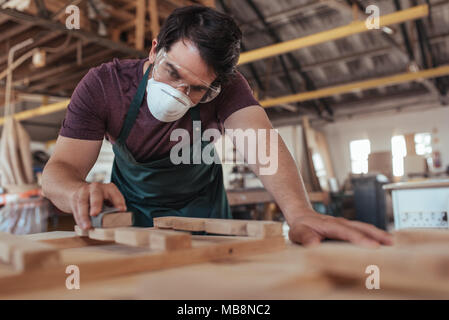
(353, 56)
(353, 28)
(67, 67)
(87, 36)
(361, 85)
(40, 111)
(140, 24)
(12, 32)
(3, 19)
(154, 18)
(38, 42)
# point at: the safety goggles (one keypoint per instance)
(168, 71)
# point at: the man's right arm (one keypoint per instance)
(63, 180)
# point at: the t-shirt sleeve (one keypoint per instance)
(235, 95)
(85, 117)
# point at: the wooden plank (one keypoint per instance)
(36, 256)
(6, 241)
(188, 224)
(408, 237)
(104, 234)
(419, 268)
(169, 240)
(112, 220)
(97, 269)
(58, 235)
(226, 226)
(133, 236)
(264, 229)
(80, 232)
(74, 242)
(232, 227)
(25, 254)
(163, 222)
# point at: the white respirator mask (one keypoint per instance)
(165, 102)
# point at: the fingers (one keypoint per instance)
(304, 235)
(112, 193)
(88, 201)
(81, 212)
(335, 229)
(96, 199)
(312, 229)
(370, 230)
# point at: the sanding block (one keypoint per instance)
(111, 218)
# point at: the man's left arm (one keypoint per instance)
(286, 185)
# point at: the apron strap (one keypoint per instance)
(133, 111)
(195, 113)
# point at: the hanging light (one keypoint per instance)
(39, 58)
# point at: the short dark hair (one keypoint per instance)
(215, 34)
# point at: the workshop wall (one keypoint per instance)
(380, 129)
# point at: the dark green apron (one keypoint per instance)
(160, 188)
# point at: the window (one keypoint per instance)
(320, 170)
(399, 151)
(359, 149)
(423, 144)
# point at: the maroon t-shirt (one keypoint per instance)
(100, 101)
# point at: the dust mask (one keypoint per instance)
(165, 102)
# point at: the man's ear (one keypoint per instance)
(152, 55)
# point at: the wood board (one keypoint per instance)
(112, 259)
(418, 263)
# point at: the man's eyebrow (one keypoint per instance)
(197, 86)
(174, 70)
(200, 87)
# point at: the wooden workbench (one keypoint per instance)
(284, 274)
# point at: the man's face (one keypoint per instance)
(185, 63)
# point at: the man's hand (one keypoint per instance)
(88, 200)
(311, 228)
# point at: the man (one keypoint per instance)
(190, 75)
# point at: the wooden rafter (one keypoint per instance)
(36, 43)
(140, 25)
(154, 17)
(68, 67)
(361, 85)
(118, 46)
(355, 27)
